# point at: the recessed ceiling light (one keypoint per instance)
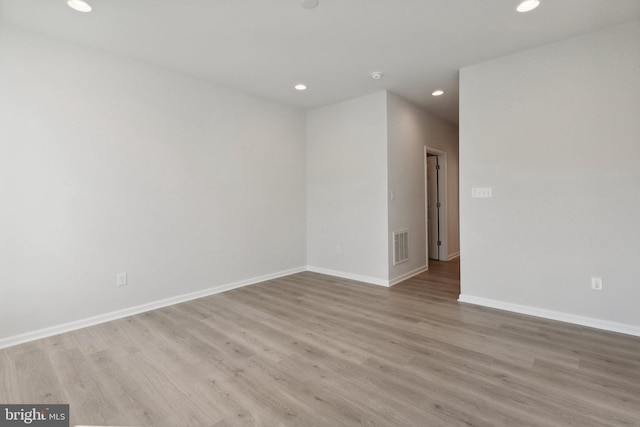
(437, 92)
(376, 75)
(527, 5)
(300, 86)
(309, 4)
(79, 5)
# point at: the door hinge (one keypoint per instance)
(438, 167)
(439, 243)
(438, 204)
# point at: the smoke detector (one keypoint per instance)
(376, 75)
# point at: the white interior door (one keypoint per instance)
(432, 207)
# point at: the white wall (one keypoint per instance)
(111, 165)
(357, 152)
(347, 189)
(556, 132)
(410, 129)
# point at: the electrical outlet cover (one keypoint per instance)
(122, 279)
(596, 283)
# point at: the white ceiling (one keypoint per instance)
(264, 47)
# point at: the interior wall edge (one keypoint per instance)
(408, 275)
(591, 322)
(351, 276)
(453, 256)
(119, 314)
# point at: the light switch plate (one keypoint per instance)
(481, 192)
(122, 279)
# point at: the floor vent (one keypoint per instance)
(400, 246)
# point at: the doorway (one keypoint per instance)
(435, 205)
(433, 208)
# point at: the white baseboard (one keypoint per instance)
(453, 256)
(591, 322)
(344, 275)
(114, 315)
(408, 275)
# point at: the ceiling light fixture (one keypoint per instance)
(437, 92)
(79, 5)
(527, 5)
(300, 86)
(376, 75)
(309, 4)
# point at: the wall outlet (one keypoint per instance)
(122, 279)
(596, 283)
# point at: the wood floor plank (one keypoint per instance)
(36, 378)
(315, 350)
(78, 379)
(9, 381)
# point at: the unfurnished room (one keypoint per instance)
(319, 213)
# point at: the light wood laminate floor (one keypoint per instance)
(315, 350)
